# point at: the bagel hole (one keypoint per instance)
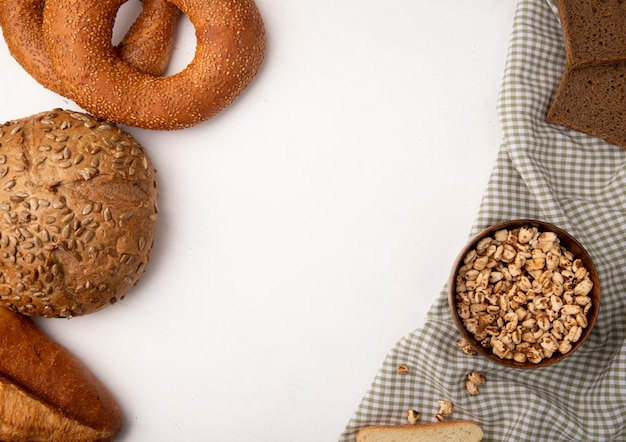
(184, 47)
(126, 16)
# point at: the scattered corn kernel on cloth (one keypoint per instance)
(558, 175)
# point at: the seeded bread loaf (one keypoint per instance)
(594, 31)
(592, 99)
(450, 431)
(78, 213)
(46, 393)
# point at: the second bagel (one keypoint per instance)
(230, 46)
(146, 46)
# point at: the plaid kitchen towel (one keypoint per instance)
(546, 172)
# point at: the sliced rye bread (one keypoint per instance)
(594, 31)
(592, 99)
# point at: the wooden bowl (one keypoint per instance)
(566, 241)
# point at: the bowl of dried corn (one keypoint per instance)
(524, 293)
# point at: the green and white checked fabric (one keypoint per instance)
(554, 174)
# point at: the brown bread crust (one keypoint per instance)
(71, 399)
(448, 431)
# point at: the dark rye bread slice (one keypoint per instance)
(594, 31)
(592, 99)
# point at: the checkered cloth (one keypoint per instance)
(558, 175)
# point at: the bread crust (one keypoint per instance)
(47, 391)
(448, 431)
(78, 213)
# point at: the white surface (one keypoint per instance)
(306, 228)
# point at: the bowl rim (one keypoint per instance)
(562, 234)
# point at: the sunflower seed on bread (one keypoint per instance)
(78, 213)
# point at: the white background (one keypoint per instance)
(306, 228)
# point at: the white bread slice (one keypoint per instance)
(450, 431)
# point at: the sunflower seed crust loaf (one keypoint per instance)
(78, 213)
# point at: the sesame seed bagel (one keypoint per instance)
(230, 45)
(147, 45)
(78, 213)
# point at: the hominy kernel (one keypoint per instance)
(528, 300)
